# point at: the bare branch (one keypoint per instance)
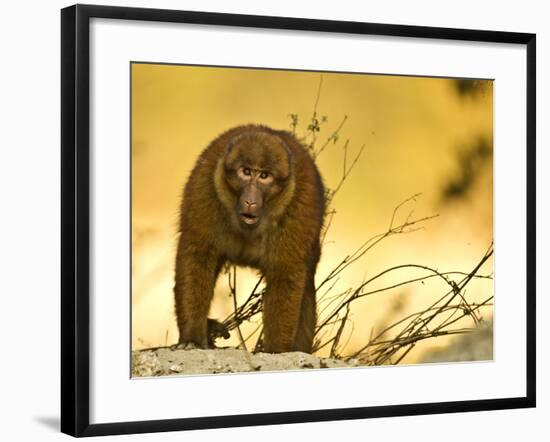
(396, 340)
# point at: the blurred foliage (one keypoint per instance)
(470, 88)
(472, 161)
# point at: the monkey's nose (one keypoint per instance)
(250, 204)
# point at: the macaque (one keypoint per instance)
(254, 198)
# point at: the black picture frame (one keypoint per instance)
(75, 212)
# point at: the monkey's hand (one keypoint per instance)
(216, 330)
(185, 346)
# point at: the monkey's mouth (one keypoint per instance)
(249, 218)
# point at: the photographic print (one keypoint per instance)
(295, 220)
(242, 216)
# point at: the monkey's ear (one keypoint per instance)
(288, 151)
(226, 158)
(289, 154)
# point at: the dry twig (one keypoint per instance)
(335, 309)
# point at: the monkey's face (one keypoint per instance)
(257, 168)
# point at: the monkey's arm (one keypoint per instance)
(282, 305)
(197, 267)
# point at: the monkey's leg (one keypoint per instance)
(308, 319)
(282, 305)
(196, 273)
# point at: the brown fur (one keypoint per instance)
(283, 244)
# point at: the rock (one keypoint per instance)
(473, 346)
(173, 361)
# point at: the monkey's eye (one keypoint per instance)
(247, 171)
(265, 178)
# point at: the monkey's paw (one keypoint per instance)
(185, 346)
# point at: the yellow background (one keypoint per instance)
(413, 130)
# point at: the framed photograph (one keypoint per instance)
(275, 220)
